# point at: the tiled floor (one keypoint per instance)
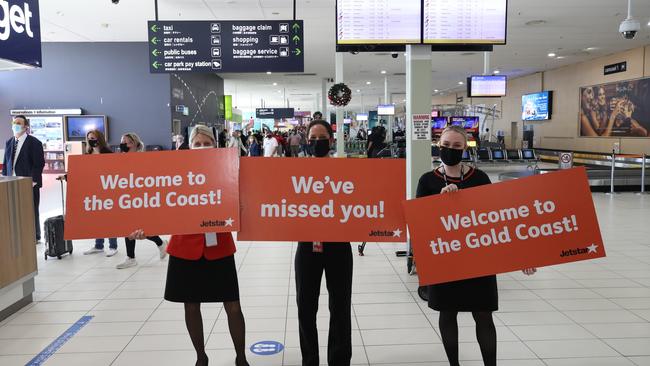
(589, 313)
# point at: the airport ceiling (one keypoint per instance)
(575, 30)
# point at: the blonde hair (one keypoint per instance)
(139, 145)
(456, 129)
(202, 130)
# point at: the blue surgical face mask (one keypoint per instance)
(18, 129)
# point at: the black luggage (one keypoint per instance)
(54, 229)
(56, 245)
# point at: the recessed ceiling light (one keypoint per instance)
(275, 84)
(551, 54)
(268, 73)
(383, 71)
(358, 90)
(279, 91)
(497, 71)
(435, 91)
(535, 22)
(368, 82)
(460, 83)
(560, 57)
(404, 53)
(591, 48)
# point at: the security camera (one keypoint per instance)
(394, 55)
(629, 28)
(115, 1)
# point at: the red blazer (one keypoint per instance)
(192, 247)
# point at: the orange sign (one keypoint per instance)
(170, 192)
(531, 222)
(327, 199)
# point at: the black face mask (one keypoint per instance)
(451, 157)
(320, 148)
(93, 143)
(124, 148)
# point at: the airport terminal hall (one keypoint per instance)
(325, 182)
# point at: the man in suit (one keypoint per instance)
(24, 158)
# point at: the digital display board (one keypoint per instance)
(439, 123)
(466, 122)
(465, 21)
(76, 127)
(226, 46)
(386, 109)
(274, 113)
(362, 116)
(537, 106)
(486, 86)
(360, 22)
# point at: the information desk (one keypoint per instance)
(17, 244)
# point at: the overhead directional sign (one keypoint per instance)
(226, 46)
(20, 32)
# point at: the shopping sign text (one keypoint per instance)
(16, 18)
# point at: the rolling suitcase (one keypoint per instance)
(54, 229)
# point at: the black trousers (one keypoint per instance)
(130, 244)
(336, 262)
(37, 217)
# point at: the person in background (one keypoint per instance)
(294, 144)
(304, 146)
(270, 145)
(131, 143)
(223, 138)
(335, 259)
(476, 295)
(253, 146)
(24, 157)
(235, 141)
(317, 116)
(202, 270)
(96, 144)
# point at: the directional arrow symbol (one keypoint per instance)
(296, 39)
(154, 40)
(155, 52)
(154, 28)
(295, 27)
(156, 65)
(297, 51)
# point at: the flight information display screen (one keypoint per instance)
(360, 22)
(465, 21)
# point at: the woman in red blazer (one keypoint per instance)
(202, 269)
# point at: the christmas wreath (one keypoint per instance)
(339, 95)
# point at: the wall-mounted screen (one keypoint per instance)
(439, 123)
(386, 109)
(362, 116)
(76, 127)
(486, 86)
(465, 21)
(363, 22)
(624, 103)
(537, 106)
(466, 122)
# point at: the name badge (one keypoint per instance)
(211, 240)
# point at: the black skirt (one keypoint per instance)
(202, 280)
(475, 294)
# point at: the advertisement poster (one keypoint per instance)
(535, 107)
(538, 221)
(620, 109)
(166, 192)
(327, 200)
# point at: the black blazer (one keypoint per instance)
(29, 163)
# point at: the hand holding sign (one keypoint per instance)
(171, 192)
(542, 220)
(322, 200)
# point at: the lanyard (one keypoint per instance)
(444, 175)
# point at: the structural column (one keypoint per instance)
(340, 126)
(418, 101)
